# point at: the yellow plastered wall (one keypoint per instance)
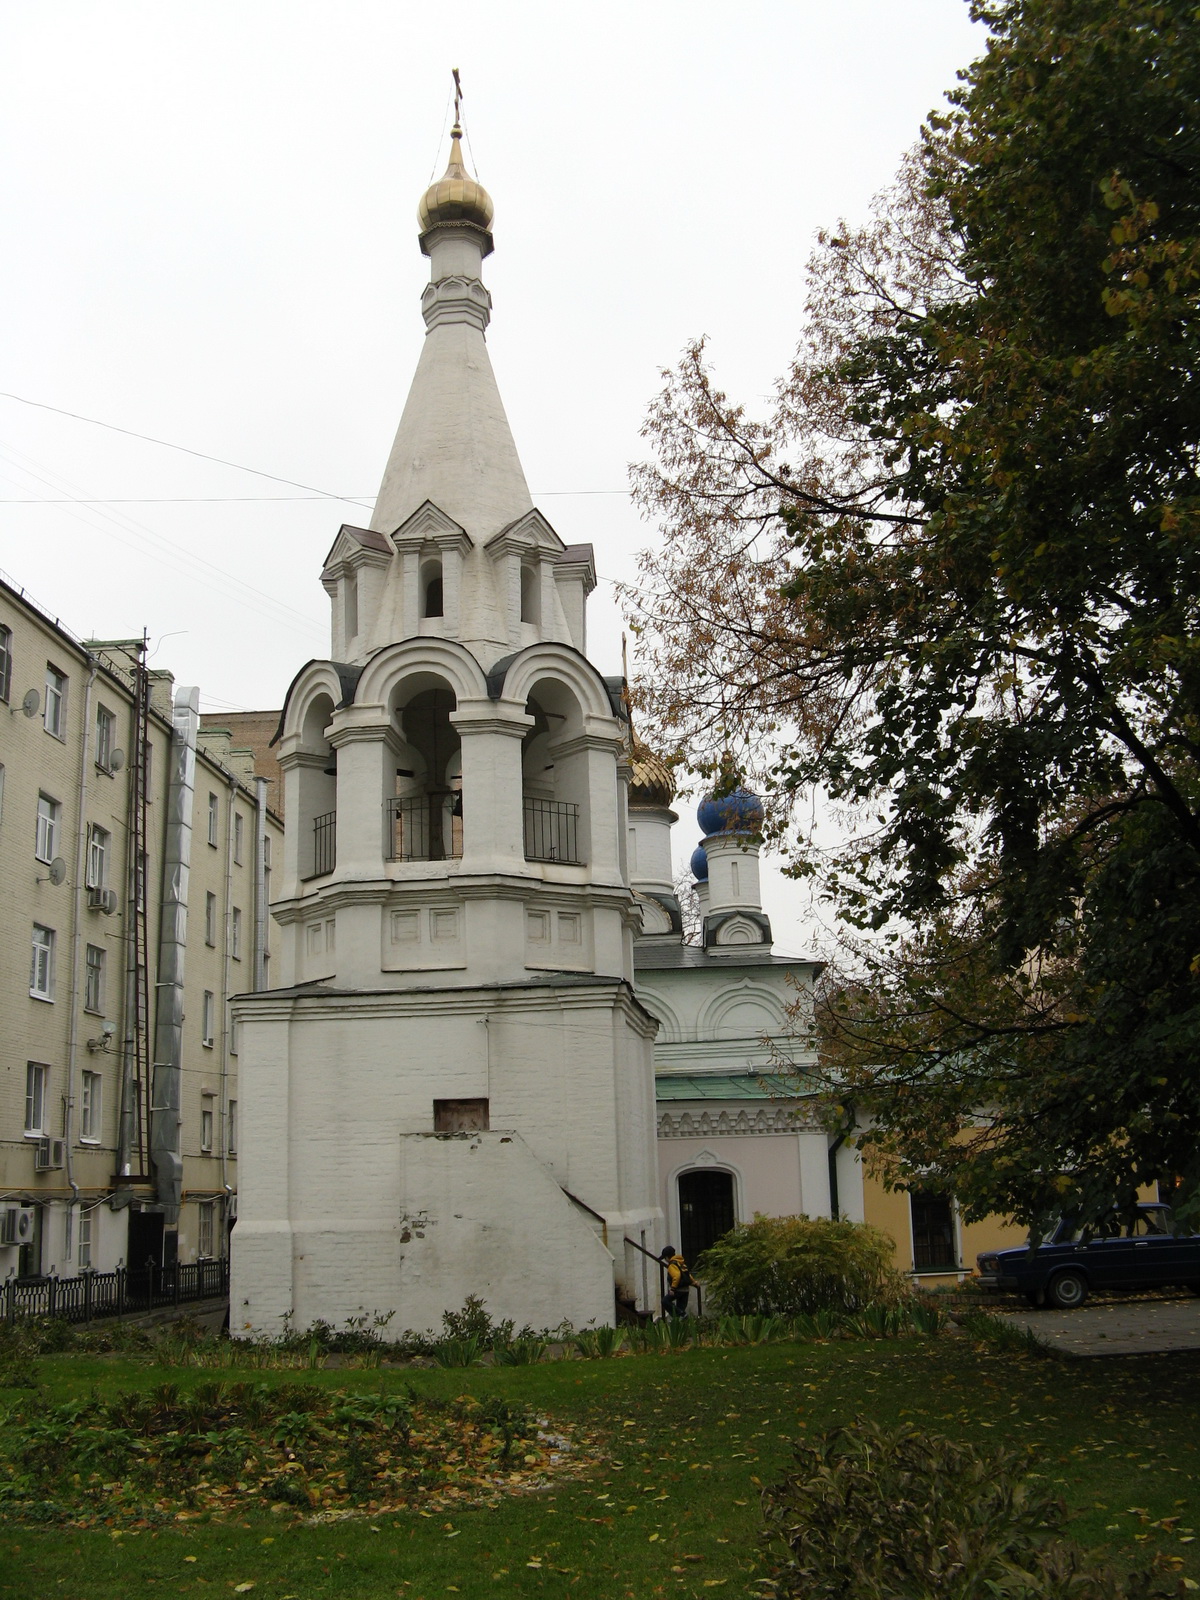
(889, 1210)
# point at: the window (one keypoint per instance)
(5, 663)
(239, 836)
(267, 851)
(204, 1239)
(54, 715)
(36, 1077)
(139, 882)
(69, 1233)
(530, 597)
(214, 819)
(350, 605)
(49, 820)
(460, 1116)
(93, 979)
(210, 919)
(1, 791)
(431, 589)
(85, 1238)
(41, 972)
(99, 846)
(235, 934)
(231, 1123)
(106, 729)
(206, 1018)
(934, 1234)
(148, 771)
(206, 1124)
(91, 1107)
(233, 1036)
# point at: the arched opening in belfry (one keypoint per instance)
(425, 816)
(554, 776)
(531, 593)
(706, 1209)
(432, 594)
(318, 791)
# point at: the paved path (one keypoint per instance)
(1123, 1328)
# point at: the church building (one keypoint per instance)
(452, 1091)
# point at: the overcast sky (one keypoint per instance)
(210, 238)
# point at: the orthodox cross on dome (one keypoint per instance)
(457, 131)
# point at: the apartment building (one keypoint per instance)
(135, 859)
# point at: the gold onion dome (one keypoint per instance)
(651, 783)
(456, 196)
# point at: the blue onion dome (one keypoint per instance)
(739, 812)
(651, 783)
(699, 864)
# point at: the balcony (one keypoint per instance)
(424, 828)
(551, 831)
(324, 843)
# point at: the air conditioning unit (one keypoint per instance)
(48, 1156)
(103, 900)
(16, 1225)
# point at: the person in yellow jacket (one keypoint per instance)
(679, 1282)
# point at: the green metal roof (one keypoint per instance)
(725, 1086)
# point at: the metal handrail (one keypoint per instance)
(324, 843)
(551, 830)
(423, 827)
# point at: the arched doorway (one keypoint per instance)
(706, 1209)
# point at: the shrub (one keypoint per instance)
(895, 1514)
(788, 1266)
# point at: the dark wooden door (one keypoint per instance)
(705, 1210)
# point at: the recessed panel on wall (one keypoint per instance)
(423, 938)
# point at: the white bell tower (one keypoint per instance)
(451, 1091)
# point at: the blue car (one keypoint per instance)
(1111, 1254)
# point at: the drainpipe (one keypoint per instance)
(226, 972)
(77, 931)
(165, 1111)
(260, 883)
(834, 1208)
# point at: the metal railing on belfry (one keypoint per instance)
(324, 843)
(551, 830)
(423, 827)
(114, 1294)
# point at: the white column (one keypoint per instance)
(733, 872)
(493, 828)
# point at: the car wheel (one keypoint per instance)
(1067, 1290)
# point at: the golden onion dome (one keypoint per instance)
(651, 783)
(456, 196)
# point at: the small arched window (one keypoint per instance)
(531, 610)
(431, 590)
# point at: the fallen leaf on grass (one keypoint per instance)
(242, 1588)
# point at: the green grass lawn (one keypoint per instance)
(673, 1508)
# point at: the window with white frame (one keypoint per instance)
(86, 1218)
(235, 934)
(91, 1107)
(37, 1078)
(214, 819)
(93, 979)
(106, 734)
(204, 1235)
(49, 823)
(207, 1017)
(206, 1123)
(6, 663)
(210, 918)
(99, 847)
(41, 971)
(233, 1036)
(68, 1233)
(1, 791)
(54, 713)
(231, 1128)
(239, 836)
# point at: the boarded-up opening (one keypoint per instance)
(460, 1116)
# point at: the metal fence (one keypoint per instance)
(423, 828)
(324, 843)
(114, 1294)
(551, 830)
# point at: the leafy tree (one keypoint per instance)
(952, 584)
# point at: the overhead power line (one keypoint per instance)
(167, 444)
